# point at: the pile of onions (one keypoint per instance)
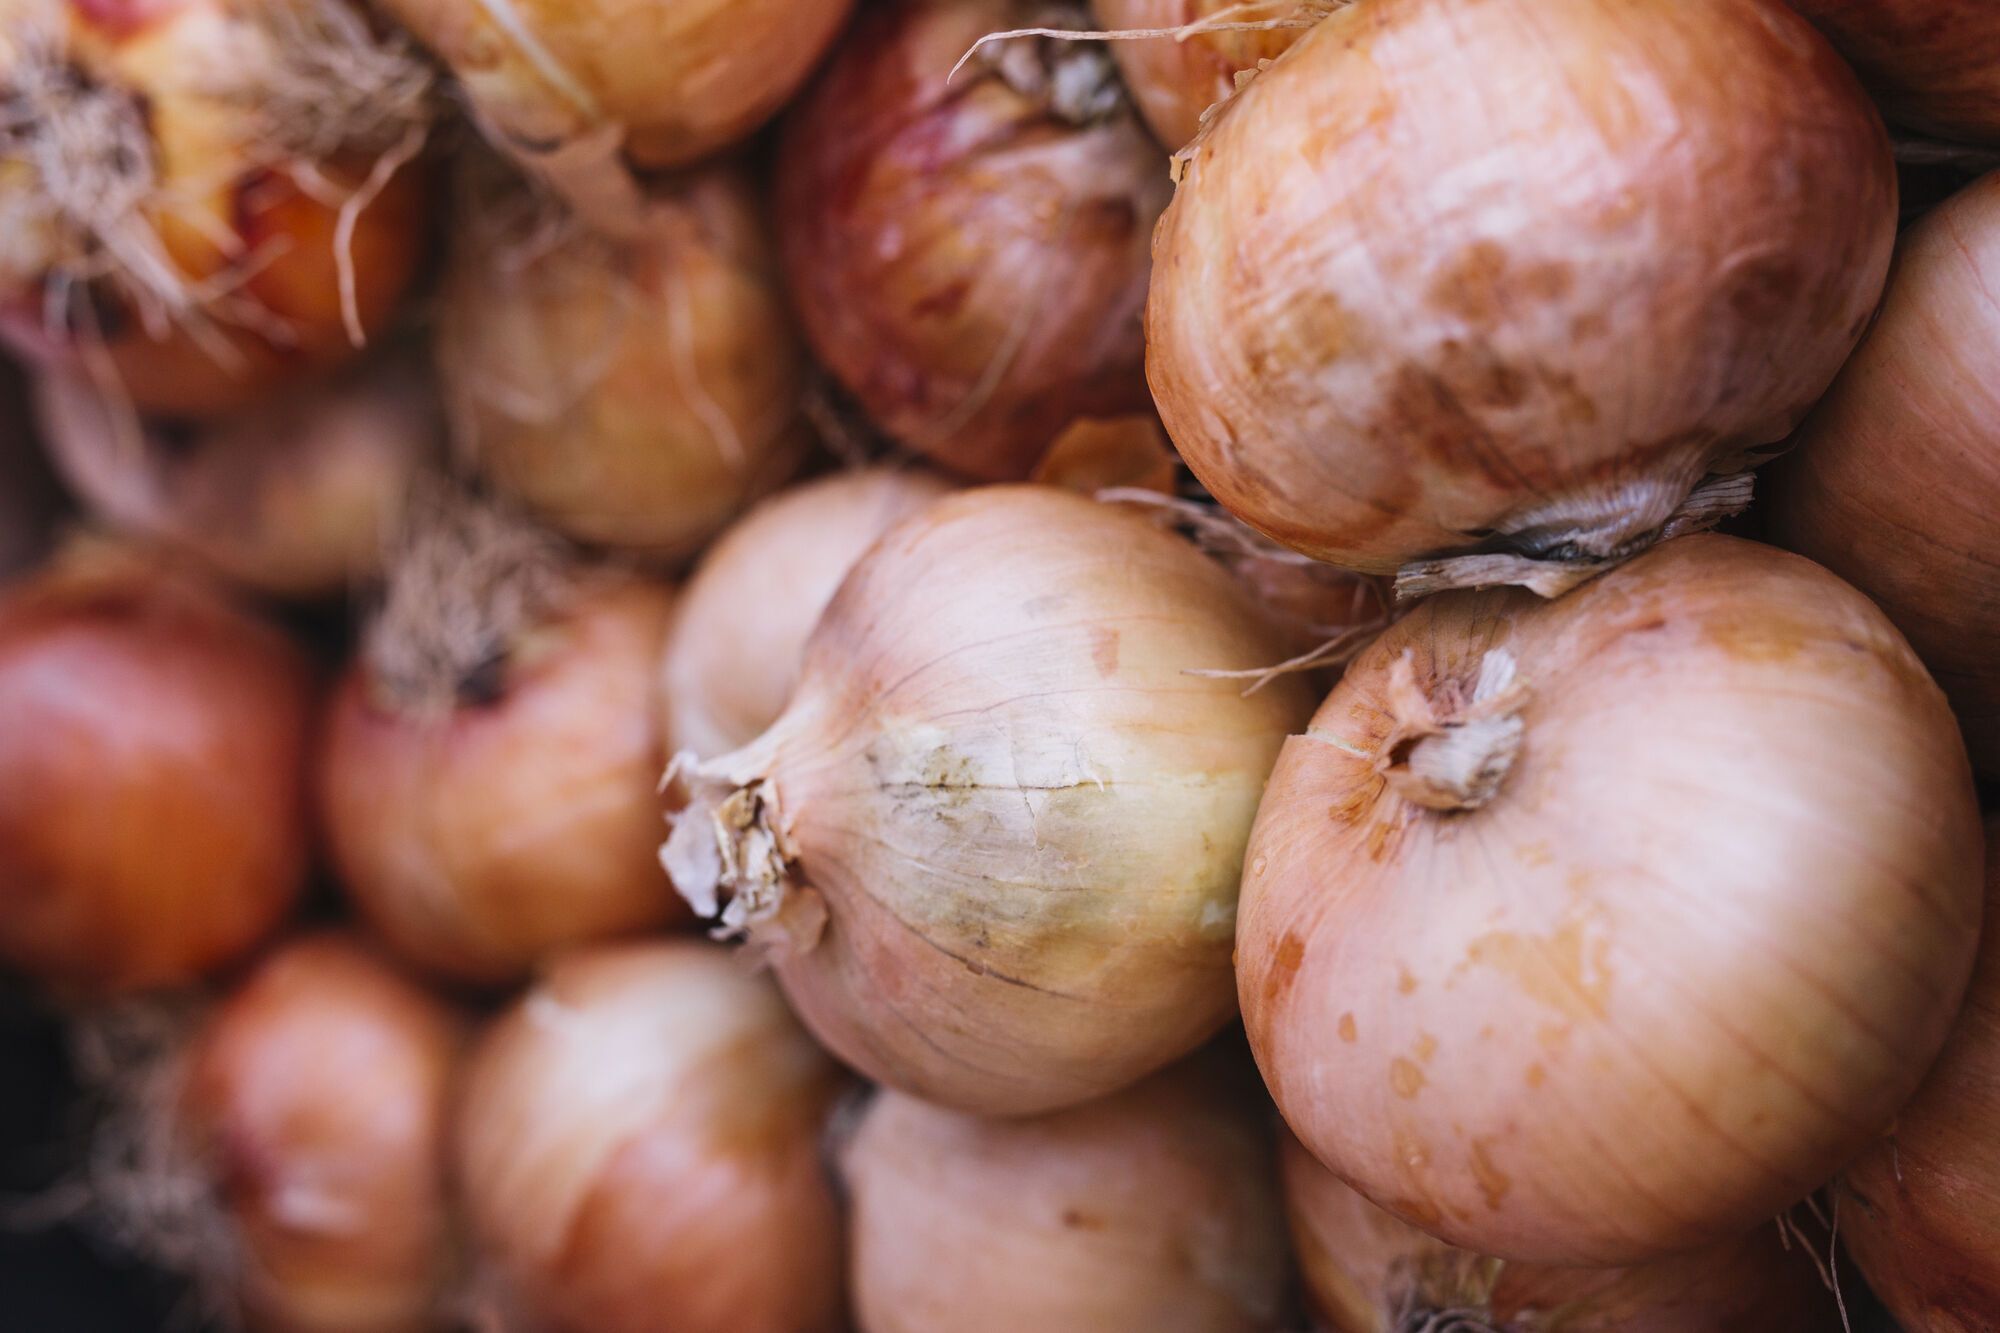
(1921, 1211)
(1366, 1272)
(205, 200)
(1934, 64)
(1175, 80)
(739, 631)
(969, 254)
(489, 764)
(993, 843)
(638, 1144)
(633, 393)
(1396, 300)
(1896, 480)
(1155, 1209)
(295, 497)
(153, 817)
(1588, 931)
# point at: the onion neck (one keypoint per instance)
(1452, 749)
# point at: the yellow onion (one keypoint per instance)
(1156, 1208)
(1896, 479)
(488, 772)
(1921, 1210)
(295, 497)
(1934, 64)
(740, 628)
(152, 775)
(1366, 1272)
(1174, 80)
(201, 200)
(968, 254)
(992, 846)
(633, 393)
(638, 1143)
(1588, 931)
(1509, 280)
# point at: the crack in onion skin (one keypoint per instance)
(1173, 82)
(1155, 1208)
(638, 1145)
(1933, 64)
(153, 815)
(1895, 480)
(1920, 1211)
(1514, 274)
(1021, 817)
(968, 263)
(1692, 955)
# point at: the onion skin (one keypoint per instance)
(740, 628)
(317, 1093)
(1173, 82)
(1442, 358)
(1022, 820)
(1933, 64)
(1895, 478)
(968, 264)
(152, 776)
(1682, 964)
(1920, 1210)
(640, 1136)
(633, 393)
(1152, 1209)
(479, 842)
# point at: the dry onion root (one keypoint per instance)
(634, 393)
(739, 630)
(1175, 79)
(992, 846)
(1934, 64)
(152, 775)
(968, 253)
(1588, 931)
(488, 773)
(1507, 281)
(202, 201)
(1154, 1209)
(638, 1141)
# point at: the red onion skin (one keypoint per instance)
(1933, 64)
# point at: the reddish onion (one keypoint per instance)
(1175, 80)
(1153, 1209)
(1934, 64)
(152, 763)
(1512, 278)
(638, 1144)
(969, 258)
(732, 655)
(1588, 931)
(1896, 478)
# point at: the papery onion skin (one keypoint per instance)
(1396, 301)
(1895, 479)
(520, 822)
(1155, 1208)
(1691, 955)
(1366, 1272)
(740, 626)
(1174, 81)
(1022, 817)
(1920, 1211)
(317, 1094)
(153, 816)
(639, 1140)
(1933, 64)
(968, 263)
(633, 393)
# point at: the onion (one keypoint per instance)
(1921, 1210)
(969, 254)
(732, 655)
(1152, 1209)
(1095, 454)
(638, 1142)
(293, 498)
(1589, 931)
(489, 765)
(1934, 64)
(993, 843)
(1897, 475)
(1511, 278)
(1366, 1272)
(1174, 80)
(205, 200)
(152, 757)
(633, 393)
